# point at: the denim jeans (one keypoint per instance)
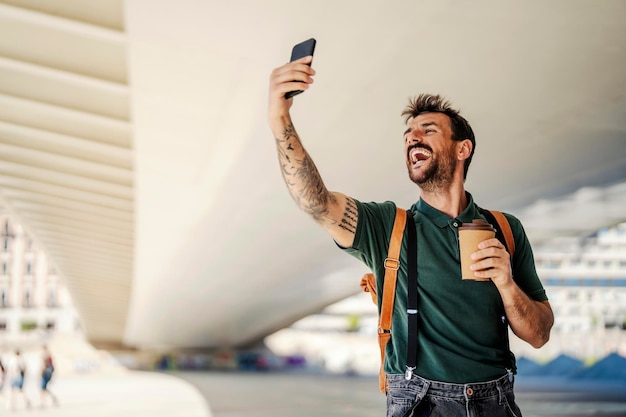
(438, 399)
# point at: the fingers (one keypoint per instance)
(490, 248)
(295, 75)
(488, 267)
(493, 242)
(304, 60)
(492, 261)
(296, 70)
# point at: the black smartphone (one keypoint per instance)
(301, 50)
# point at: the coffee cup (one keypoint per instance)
(470, 235)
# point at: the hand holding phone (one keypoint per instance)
(301, 50)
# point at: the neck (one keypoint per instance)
(451, 201)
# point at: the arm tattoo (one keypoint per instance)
(301, 176)
(350, 216)
(313, 197)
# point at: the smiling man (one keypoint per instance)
(464, 364)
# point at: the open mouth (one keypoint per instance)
(418, 155)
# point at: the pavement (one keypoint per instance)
(120, 393)
(90, 382)
(258, 394)
(124, 393)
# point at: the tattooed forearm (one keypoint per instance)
(350, 216)
(289, 132)
(334, 211)
(301, 176)
(284, 142)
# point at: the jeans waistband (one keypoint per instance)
(473, 390)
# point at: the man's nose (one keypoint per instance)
(412, 136)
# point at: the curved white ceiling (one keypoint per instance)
(134, 144)
(66, 158)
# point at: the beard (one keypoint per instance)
(439, 174)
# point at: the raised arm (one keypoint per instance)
(336, 212)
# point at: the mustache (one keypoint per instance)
(419, 145)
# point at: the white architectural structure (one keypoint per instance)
(134, 145)
(34, 303)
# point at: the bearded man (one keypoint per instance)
(464, 365)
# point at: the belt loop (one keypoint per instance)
(500, 391)
(424, 390)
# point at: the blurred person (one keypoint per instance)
(3, 375)
(46, 376)
(18, 375)
(464, 364)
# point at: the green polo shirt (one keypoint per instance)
(462, 336)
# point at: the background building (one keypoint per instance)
(34, 303)
(586, 281)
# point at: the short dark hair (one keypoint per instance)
(429, 103)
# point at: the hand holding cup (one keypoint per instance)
(470, 235)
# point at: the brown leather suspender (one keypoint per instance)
(368, 283)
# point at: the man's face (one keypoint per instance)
(430, 151)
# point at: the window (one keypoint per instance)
(7, 235)
(4, 298)
(52, 298)
(27, 301)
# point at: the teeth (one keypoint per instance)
(419, 151)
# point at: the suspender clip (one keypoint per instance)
(409, 372)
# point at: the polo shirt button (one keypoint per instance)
(470, 392)
(455, 224)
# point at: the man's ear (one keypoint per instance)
(464, 149)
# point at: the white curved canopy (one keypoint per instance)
(134, 145)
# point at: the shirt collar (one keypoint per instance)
(441, 219)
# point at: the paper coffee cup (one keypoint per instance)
(470, 235)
